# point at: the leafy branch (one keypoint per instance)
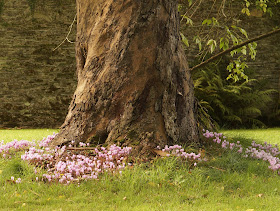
(202, 64)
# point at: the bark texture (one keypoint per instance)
(133, 78)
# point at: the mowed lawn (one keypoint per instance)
(270, 135)
(226, 181)
(25, 134)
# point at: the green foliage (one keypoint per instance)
(231, 102)
(228, 103)
(220, 36)
(213, 35)
(264, 6)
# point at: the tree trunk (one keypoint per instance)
(133, 79)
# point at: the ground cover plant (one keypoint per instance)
(217, 177)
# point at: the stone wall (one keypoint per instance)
(37, 83)
(267, 63)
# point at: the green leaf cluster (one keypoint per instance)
(264, 6)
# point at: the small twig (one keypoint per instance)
(190, 10)
(196, 9)
(222, 8)
(80, 148)
(66, 38)
(34, 192)
(217, 168)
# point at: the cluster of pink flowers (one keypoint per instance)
(266, 147)
(75, 167)
(83, 144)
(220, 139)
(14, 146)
(178, 151)
(67, 166)
(43, 154)
(264, 152)
(45, 142)
(17, 181)
(39, 156)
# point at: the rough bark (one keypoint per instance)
(133, 78)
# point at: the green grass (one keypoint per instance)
(270, 135)
(226, 182)
(25, 134)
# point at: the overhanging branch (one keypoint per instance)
(202, 64)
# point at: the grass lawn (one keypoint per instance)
(25, 134)
(270, 135)
(226, 181)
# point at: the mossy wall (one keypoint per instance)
(37, 83)
(267, 62)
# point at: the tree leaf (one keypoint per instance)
(243, 31)
(184, 39)
(207, 21)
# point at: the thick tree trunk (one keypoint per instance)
(133, 78)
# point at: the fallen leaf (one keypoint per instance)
(260, 195)
(202, 152)
(161, 153)
(124, 198)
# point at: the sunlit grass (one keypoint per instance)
(226, 181)
(161, 186)
(270, 135)
(25, 134)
